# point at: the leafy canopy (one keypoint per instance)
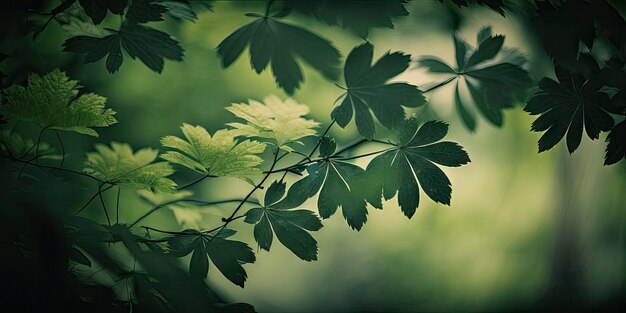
(52, 102)
(368, 89)
(494, 80)
(278, 43)
(281, 122)
(226, 255)
(565, 105)
(412, 164)
(358, 18)
(217, 155)
(119, 165)
(290, 226)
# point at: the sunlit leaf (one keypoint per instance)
(217, 155)
(119, 165)
(279, 121)
(52, 102)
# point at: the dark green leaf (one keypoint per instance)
(327, 146)
(565, 105)
(616, 149)
(493, 87)
(367, 89)
(496, 5)
(278, 43)
(97, 9)
(290, 226)
(226, 255)
(396, 171)
(151, 46)
(143, 11)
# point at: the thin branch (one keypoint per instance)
(104, 207)
(194, 182)
(100, 190)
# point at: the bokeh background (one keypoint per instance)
(524, 230)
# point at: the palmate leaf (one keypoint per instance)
(492, 75)
(412, 165)
(616, 149)
(367, 89)
(151, 46)
(290, 226)
(565, 105)
(217, 155)
(278, 43)
(227, 255)
(119, 165)
(358, 17)
(281, 122)
(52, 102)
(340, 184)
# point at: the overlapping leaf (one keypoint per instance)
(495, 80)
(368, 91)
(151, 46)
(358, 17)
(412, 165)
(281, 122)
(119, 165)
(217, 155)
(97, 9)
(616, 149)
(19, 147)
(565, 105)
(51, 101)
(227, 255)
(278, 43)
(290, 226)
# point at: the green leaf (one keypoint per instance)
(79, 257)
(359, 18)
(51, 102)
(496, 5)
(227, 255)
(119, 165)
(279, 121)
(290, 226)
(412, 164)
(21, 148)
(97, 9)
(217, 155)
(151, 46)
(143, 11)
(327, 146)
(565, 105)
(616, 149)
(278, 43)
(492, 85)
(180, 10)
(339, 183)
(367, 89)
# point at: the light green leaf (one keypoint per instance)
(217, 155)
(279, 121)
(51, 102)
(119, 165)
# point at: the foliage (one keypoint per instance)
(261, 144)
(219, 155)
(135, 170)
(52, 102)
(278, 43)
(493, 87)
(367, 88)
